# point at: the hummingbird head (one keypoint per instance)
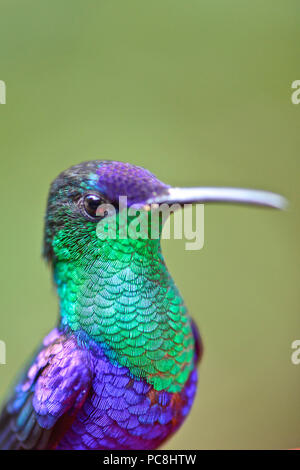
(77, 195)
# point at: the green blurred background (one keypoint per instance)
(199, 92)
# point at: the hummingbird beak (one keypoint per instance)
(202, 195)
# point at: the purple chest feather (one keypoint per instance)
(86, 402)
(126, 413)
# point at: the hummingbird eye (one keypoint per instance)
(91, 203)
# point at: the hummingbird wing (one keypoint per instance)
(198, 342)
(48, 396)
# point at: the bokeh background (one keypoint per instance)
(199, 92)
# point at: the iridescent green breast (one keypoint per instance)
(122, 295)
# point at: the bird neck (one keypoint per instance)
(124, 298)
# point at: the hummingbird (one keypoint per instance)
(119, 370)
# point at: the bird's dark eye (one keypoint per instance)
(91, 202)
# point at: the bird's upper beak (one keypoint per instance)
(202, 195)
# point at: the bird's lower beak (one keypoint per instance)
(203, 195)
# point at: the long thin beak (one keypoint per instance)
(204, 195)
